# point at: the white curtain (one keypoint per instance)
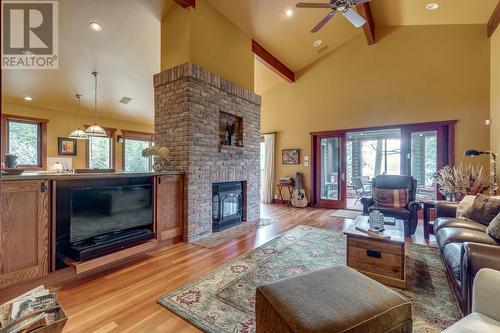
(268, 175)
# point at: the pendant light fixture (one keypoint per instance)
(95, 130)
(78, 133)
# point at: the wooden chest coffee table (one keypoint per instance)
(382, 259)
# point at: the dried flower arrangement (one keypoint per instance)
(160, 155)
(460, 181)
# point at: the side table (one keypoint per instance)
(428, 224)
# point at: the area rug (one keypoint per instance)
(348, 214)
(224, 300)
(219, 238)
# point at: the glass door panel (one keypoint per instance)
(331, 171)
(424, 162)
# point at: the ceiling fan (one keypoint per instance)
(337, 6)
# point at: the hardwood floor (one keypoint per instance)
(125, 300)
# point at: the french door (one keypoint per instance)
(329, 174)
(419, 150)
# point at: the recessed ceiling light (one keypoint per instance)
(94, 26)
(289, 12)
(28, 98)
(317, 43)
(432, 6)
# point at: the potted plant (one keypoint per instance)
(457, 182)
(160, 157)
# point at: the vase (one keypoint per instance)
(160, 164)
(10, 161)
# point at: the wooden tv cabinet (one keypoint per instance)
(27, 226)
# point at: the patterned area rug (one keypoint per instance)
(348, 214)
(221, 237)
(224, 300)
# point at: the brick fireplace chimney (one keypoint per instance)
(192, 107)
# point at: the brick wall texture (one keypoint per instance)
(188, 100)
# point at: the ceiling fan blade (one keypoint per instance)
(359, 2)
(313, 5)
(353, 17)
(324, 21)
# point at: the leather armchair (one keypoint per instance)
(409, 214)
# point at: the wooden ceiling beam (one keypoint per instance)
(272, 62)
(186, 3)
(493, 21)
(369, 27)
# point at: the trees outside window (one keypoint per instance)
(99, 153)
(26, 138)
(133, 160)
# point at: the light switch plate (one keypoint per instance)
(306, 158)
(306, 164)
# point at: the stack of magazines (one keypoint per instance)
(30, 312)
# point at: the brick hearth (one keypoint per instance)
(188, 100)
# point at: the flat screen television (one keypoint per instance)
(99, 211)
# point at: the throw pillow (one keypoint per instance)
(465, 204)
(393, 198)
(483, 210)
(494, 228)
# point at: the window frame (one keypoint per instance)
(42, 147)
(137, 136)
(110, 134)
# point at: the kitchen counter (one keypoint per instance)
(69, 176)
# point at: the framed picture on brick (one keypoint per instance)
(290, 156)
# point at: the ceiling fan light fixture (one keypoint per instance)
(431, 6)
(317, 43)
(353, 17)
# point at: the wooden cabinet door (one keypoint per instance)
(24, 231)
(169, 207)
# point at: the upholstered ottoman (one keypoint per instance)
(336, 299)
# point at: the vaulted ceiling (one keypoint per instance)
(127, 51)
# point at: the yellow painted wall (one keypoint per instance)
(175, 37)
(206, 38)
(495, 93)
(413, 74)
(62, 123)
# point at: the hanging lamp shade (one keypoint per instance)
(78, 133)
(95, 130)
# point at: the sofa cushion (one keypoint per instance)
(465, 204)
(393, 198)
(494, 228)
(450, 222)
(336, 299)
(460, 235)
(399, 213)
(452, 255)
(483, 210)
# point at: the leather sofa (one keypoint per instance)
(466, 248)
(408, 214)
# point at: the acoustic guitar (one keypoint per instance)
(299, 199)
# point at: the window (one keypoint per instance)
(133, 145)
(26, 138)
(100, 151)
